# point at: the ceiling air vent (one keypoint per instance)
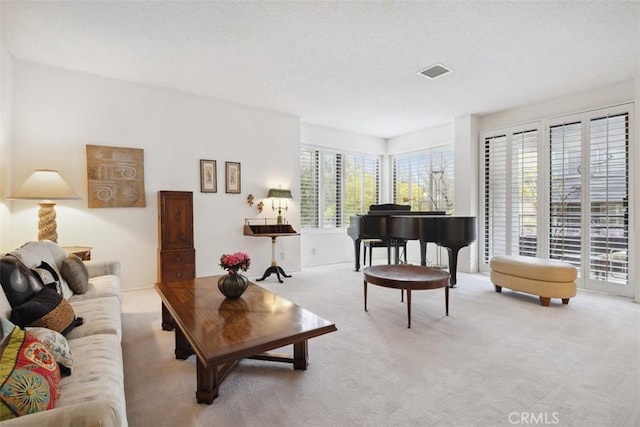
(435, 71)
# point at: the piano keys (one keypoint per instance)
(390, 225)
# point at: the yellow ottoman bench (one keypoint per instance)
(545, 278)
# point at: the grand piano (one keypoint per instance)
(394, 223)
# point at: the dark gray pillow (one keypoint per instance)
(18, 283)
(75, 273)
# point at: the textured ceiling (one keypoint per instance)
(345, 65)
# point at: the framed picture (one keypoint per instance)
(232, 177)
(208, 176)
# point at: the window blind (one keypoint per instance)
(524, 192)
(565, 188)
(495, 196)
(336, 186)
(425, 179)
(608, 197)
(309, 186)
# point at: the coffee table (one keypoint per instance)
(221, 331)
(407, 277)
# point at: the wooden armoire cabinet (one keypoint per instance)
(176, 253)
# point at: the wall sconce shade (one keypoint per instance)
(278, 193)
(45, 185)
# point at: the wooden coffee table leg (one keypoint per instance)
(409, 307)
(183, 348)
(300, 355)
(167, 320)
(208, 383)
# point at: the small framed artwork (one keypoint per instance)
(208, 176)
(232, 177)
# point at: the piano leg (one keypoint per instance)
(453, 263)
(356, 244)
(423, 253)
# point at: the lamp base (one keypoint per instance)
(47, 226)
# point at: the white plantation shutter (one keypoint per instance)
(309, 185)
(495, 196)
(361, 184)
(524, 192)
(565, 192)
(401, 181)
(420, 182)
(425, 179)
(443, 160)
(608, 197)
(335, 186)
(329, 189)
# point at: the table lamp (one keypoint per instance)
(276, 193)
(45, 185)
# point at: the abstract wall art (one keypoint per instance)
(115, 177)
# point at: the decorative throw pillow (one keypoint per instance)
(57, 345)
(48, 277)
(48, 309)
(18, 283)
(29, 376)
(75, 273)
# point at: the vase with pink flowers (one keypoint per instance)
(233, 284)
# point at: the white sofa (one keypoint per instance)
(93, 395)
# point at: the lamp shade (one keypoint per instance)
(45, 184)
(277, 193)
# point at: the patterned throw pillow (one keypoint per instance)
(75, 273)
(29, 376)
(47, 309)
(57, 345)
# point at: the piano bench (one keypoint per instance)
(545, 278)
(377, 243)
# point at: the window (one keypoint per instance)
(335, 186)
(511, 193)
(424, 179)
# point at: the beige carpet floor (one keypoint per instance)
(497, 360)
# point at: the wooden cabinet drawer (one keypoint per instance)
(176, 273)
(176, 265)
(187, 256)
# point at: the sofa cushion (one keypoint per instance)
(47, 309)
(18, 282)
(98, 374)
(57, 345)
(75, 273)
(101, 316)
(29, 376)
(101, 286)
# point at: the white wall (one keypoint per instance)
(5, 142)
(57, 112)
(635, 241)
(575, 103)
(319, 247)
(430, 137)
